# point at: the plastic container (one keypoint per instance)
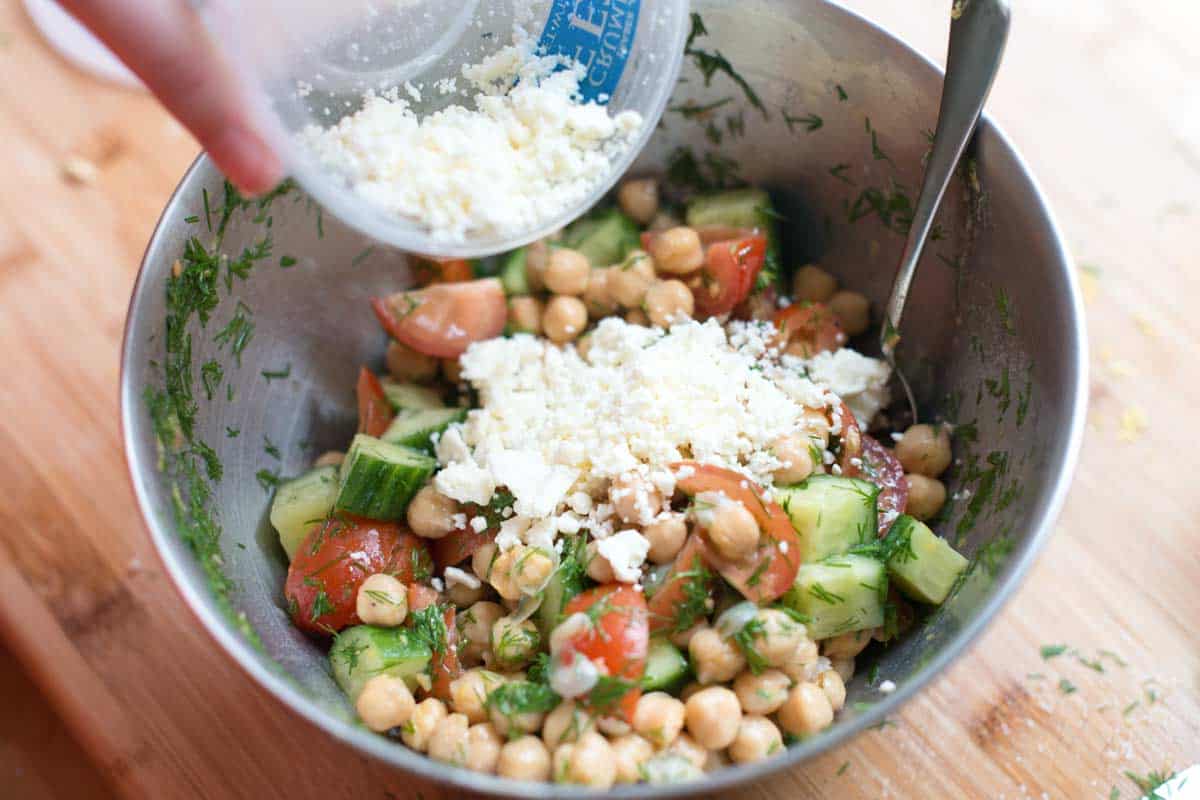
(311, 62)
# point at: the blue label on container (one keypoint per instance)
(596, 33)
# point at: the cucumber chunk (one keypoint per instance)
(923, 565)
(605, 237)
(362, 652)
(414, 428)
(410, 396)
(666, 667)
(379, 478)
(513, 276)
(831, 514)
(301, 503)
(839, 595)
(566, 582)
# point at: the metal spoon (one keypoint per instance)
(978, 34)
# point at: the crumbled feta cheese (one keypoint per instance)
(860, 381)
(625, 551)
(479, 524)
(573, 676)
(887, 687)
(527, 150)
(437, 584)
(460, 577)
(465, 482)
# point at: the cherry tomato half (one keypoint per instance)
(771, 569)
(444, 667)
(881, 467)
(444, 319)
(374, 411)
(730, 269)
(677, 604)
(441, 270)
(336, 557)
(618, 638)
(809, 328)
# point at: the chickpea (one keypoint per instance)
(666, 535)
(449, 740)
(677, 251)
(565, 724)
(384, 703)
(712, 716)
(406, 364)
(804, 656)
(778, 636)
(518, 723)
(834, 688)
(669, 301)
(611, 725)
(732, 529)
(630, 752)
(514, 643)
(430, 514)
(926, 496)
(814, 422)
(598, 296)
(382, 600)
(464, 596)
(687, 747)
(524, 759)
(852, 310)
(481, 561)
(689, 689)
(331, 458)
(658, 717)
(813, 284)
(848, 645)
(469, 691)
(483, 748)
(566, 271)
(806, 711)
(564, 319)
(525, 314)
(682, 639)
(715, 659)
(421, 725)
(795, 453)
(598, 568)
(757, 738)
(635, 316)
(844, 667)
(631, 278)
(537, 257)
(763, 693)
(532, 570)
(639, 199)
(587, 762)
(925, 450)
(475, 629)
(502, 575)
(634, 498)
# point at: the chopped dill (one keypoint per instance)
(429, 625)
(1066, 687)
(744, 639)
(839, 171)
(841, 93)
(286, 261)
(693, 110)
(232, 433)
(238, 333)
(711, 62)
(320, 607)
(211, 375)
(267, 479)
(278, 374)
(270, 448)
(362, 256)
(811, 122)
(607, 692)
(824, 595)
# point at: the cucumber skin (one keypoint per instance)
(604, 238)
(420, 438)
(372, 487)
(362, 652)
(862, 587)
(410, 396)
(742, 208)
(925, 568)
(666, 667)
(844, 516)
(301, 503)
(513, 276)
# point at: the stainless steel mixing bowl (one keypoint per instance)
(836, 120)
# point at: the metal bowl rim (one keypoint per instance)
(244, 655)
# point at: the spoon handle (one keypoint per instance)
(977, 39)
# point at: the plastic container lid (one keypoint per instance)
(310, 62)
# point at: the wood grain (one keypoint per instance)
(1101, 97)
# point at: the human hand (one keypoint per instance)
(164, 43)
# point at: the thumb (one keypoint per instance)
(164, 43)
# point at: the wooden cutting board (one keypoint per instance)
(1100, 95)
